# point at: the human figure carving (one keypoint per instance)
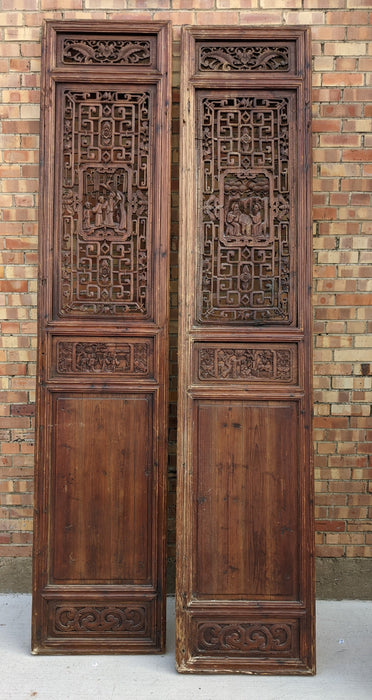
(123, 211)
(111, 201)
(86, 215)
(238, 223)
(99, 210)
(257, 225)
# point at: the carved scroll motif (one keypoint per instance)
(245, 219)
(245, 637)
(247, 364)
(106, 51)
(243, 57)
(99, 619)
(96, 358)
(105, 218)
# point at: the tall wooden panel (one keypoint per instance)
(99, 552)
(245, 583)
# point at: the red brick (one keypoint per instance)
(23, 410)
(329, 551)
(330, 79)
(340, 110)
(322, 125)
(359, 33)
(357, 154)
(13, 285)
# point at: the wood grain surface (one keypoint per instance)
(245, 579)
(100, 525)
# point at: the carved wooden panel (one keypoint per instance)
(256, 638)
(246, 362)
(245, 582)
(245, 56)
(244, 166)
(99, 553)
(112, 356)
(107, 163)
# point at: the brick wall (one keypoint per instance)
(342, 108)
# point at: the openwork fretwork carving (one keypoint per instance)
(106, 51)
(99, 619)
(243, 57)
(247, 363)
(106, 171)
(96, 358)
(243, 161)
(245, 638)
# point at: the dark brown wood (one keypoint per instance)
(245, 579)
(99, 551)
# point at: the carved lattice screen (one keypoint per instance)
(245, 539)
(99, 556)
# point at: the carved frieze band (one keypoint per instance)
(106, 51)
(255, 638)
(73, 357)
(91, 619)
(243, 56)
(248, 363)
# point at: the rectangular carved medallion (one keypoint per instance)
(245, 581)
(99, 552)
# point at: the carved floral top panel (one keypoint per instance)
(105, 214)
(245, 194)
(243, 56)
(106, 50)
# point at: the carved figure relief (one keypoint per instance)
(106, 211)
(105, 218)
(243, 57)
(247, 364)
(245, 219)
(99, 619)
(245, 198)
(88, 357)
(117, 52)
(246, 637)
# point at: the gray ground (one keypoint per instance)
(344, 659)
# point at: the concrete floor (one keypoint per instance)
(344, 659)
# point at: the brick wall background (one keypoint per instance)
(342, 109)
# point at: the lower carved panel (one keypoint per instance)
(256, 638)
(92, 619)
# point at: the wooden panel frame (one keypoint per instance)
(104, 353)
(226, 358)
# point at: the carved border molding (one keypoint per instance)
(247, 363)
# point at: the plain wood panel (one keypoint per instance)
(102, 478)
(247, 500)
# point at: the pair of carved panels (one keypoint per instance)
(244, 390)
